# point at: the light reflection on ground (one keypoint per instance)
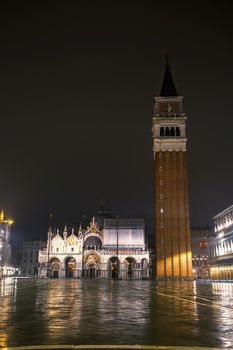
(115, 312)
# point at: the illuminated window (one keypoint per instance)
(161, 210)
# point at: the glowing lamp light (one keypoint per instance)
(10, 222)
(221, 234)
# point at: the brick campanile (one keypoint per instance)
(172, 225)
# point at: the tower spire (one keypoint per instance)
(168, 87)
(50, 219)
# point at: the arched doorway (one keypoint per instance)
(114, 267)
(70, 264)
(54, 265)
(131, 265)
(92, 265)
(144, 267)
(92, 271)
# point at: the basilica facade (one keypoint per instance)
(115, 249)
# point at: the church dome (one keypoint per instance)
(71, 240)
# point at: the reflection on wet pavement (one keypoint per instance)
(115, 312)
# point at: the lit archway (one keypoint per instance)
(114, 267)
(70, 265)
(131, 266)
(55, 266)
(92, 264)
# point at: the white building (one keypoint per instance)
(118, 250)
(221, 246)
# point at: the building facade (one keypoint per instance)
(221, 246)
(200, 251)
(5, 249)
(172, 225)
(116, 250)
(30, 254)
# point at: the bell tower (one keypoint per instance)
(172, 225)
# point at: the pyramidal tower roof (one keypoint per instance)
(168, 87)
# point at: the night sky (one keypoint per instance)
(77, 85)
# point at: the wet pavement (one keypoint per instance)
(43, 312)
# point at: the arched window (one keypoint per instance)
(167, 133)
(162, 131)
(177, 131)
(172, 131)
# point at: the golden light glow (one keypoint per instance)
(2, 216)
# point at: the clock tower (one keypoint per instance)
(172, 225)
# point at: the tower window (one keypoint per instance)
(161, 182)
(172, 131)
(57, 249)
(162, 225)
(177, 131)
(160, 155)
(162, 239)
(161, 196)
(160, 168)
(161, 210)
(162, 131)
(167, 132)
(162, 255)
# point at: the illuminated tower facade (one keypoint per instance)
(5, 248)
(172, 225)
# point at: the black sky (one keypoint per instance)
(77, 84)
